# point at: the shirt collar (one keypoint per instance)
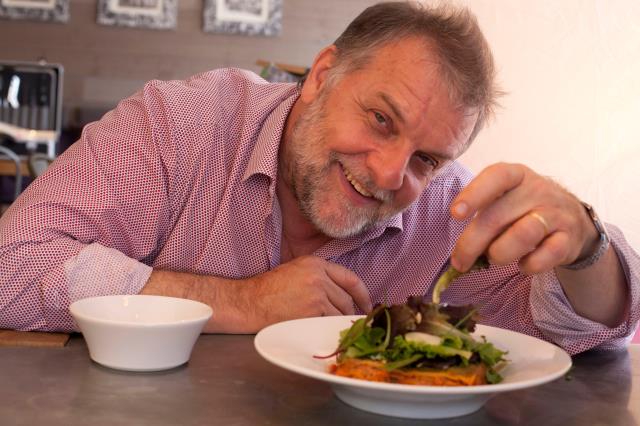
(395, 222)
(264, 157)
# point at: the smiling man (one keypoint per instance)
(271, 201)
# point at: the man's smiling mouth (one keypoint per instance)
(356, 185)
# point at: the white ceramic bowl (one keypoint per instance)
(140, 332)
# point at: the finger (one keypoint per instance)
(485, 227)
(351, 284)
(491, 184)
(331, 311)
(338, 298)
(520, 239)
(552, 252)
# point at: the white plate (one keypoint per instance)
(292, 345)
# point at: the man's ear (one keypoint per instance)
(324, 61)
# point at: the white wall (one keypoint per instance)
(572, 70)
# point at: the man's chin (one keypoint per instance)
(340, 234)
(341, 231)
(340, 226)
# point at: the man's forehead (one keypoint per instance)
(433, 115)
(410, 63)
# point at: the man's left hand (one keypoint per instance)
(521, 215)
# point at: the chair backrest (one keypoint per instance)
(31, 98)
(30, 116)
(38, 163)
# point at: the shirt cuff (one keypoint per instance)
(101, 271)
(555, 318)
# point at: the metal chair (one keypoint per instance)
(30, 112)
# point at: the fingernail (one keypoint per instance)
(461, 208)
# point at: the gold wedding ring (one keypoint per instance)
(542, 220)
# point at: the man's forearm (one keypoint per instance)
(600, 292)
(307, 286)
(231, 310)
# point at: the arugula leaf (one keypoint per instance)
(353, 333)
(492, 376)
(452, 273)
(387, 334)
(360, 341)
(461, 324)
(443, 282)
(403, 362)
(489, 354)
(371, 341)
(445, 330)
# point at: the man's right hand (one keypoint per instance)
(307, 286)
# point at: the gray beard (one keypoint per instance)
(306, 178)
(348, 222)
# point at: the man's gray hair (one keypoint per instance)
(453, 33)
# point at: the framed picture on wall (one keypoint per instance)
(247, 17)
(154, 14)
(36, 10)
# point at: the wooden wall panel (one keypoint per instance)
(104, 64)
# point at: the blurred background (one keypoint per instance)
(570, 69)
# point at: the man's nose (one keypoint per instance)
(388, 166)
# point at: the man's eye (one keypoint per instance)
(381, 119)
(428, 160)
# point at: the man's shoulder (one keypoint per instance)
(208, 82)
(429, 217)
(215, 94)
(442, 190)
(434, 202)
(452, 178)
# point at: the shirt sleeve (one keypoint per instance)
(536, 305)
(92, 223)
(553, 315)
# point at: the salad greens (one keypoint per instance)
(418, 334)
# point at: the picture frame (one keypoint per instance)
(35, 10)
(152, 14)
(244, 17)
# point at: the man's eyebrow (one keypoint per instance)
(389, 101)
(442, 156)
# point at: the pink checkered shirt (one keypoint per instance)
(181, 176)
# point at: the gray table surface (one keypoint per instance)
(227, 383)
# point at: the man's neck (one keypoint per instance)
(299, 236)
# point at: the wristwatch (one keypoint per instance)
(603, 244)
